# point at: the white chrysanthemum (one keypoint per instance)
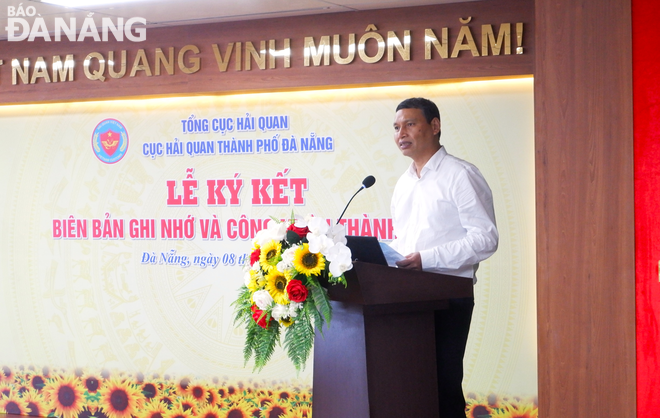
(279, 312)
(283, 266)
(287, 259)
(289, 253)
(262, 299)
(293, 308)
(247, 278)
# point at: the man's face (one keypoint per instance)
(415, 137)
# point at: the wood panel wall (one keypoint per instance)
(210, 80)
(584, 192)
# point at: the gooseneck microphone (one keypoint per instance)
(366, 183)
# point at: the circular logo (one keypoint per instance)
(110, 141)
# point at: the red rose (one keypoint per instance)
(258, 318)
(297, 291)
(302, 232)
(254, 257)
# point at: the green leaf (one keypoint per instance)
(321, 299)
(264, 344)
(242, 307)
(92, 397)
(299, 340)
(292, 237)
(251, 336)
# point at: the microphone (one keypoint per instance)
(366, 183)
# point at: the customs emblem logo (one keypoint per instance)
(110, 141)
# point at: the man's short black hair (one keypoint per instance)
(429, 108)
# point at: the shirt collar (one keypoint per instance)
(432, 164)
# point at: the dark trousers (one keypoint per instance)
(451, 331)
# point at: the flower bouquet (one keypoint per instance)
(283, 294)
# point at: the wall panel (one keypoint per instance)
(584, 189)
(209, 78)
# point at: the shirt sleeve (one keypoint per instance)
(474, 202)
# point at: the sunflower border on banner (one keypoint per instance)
(84, 393)
(284, 289)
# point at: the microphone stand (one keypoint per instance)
(366, 183)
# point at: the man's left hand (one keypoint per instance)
(412, 261)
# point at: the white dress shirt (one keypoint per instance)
(446, 215)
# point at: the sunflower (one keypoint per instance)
(91, 382)
(179, 412)
(21, 376)
(308, 263)
(297, 413)
(6, 389)
(119, 399)
(92, 412)
(212, 396)
(187, 403)
(284, 394)
(305, 411)
(275, 409)
(276, 286)
(255, 278)
(167, 400)
(198, 392)
(36, 381)
(517, 411)
(230, 392)
(13, 405)
(149, 389)
(271, 254)
(255, 412)
(286, 322)
(478, 409)
(183, 387)
(65, 396)
(35, 404)
(167, 388)
(155, 409)
(6, 374)
(240, 409)
(222, 392)
(264, 398)
(233, 393)
(304, 396)
(22, 388)
(209, 411)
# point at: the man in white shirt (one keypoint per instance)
(444, 222)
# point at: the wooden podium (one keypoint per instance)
(377, 359)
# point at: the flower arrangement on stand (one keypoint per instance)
(283, 292)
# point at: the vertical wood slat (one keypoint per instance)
(585, 208)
